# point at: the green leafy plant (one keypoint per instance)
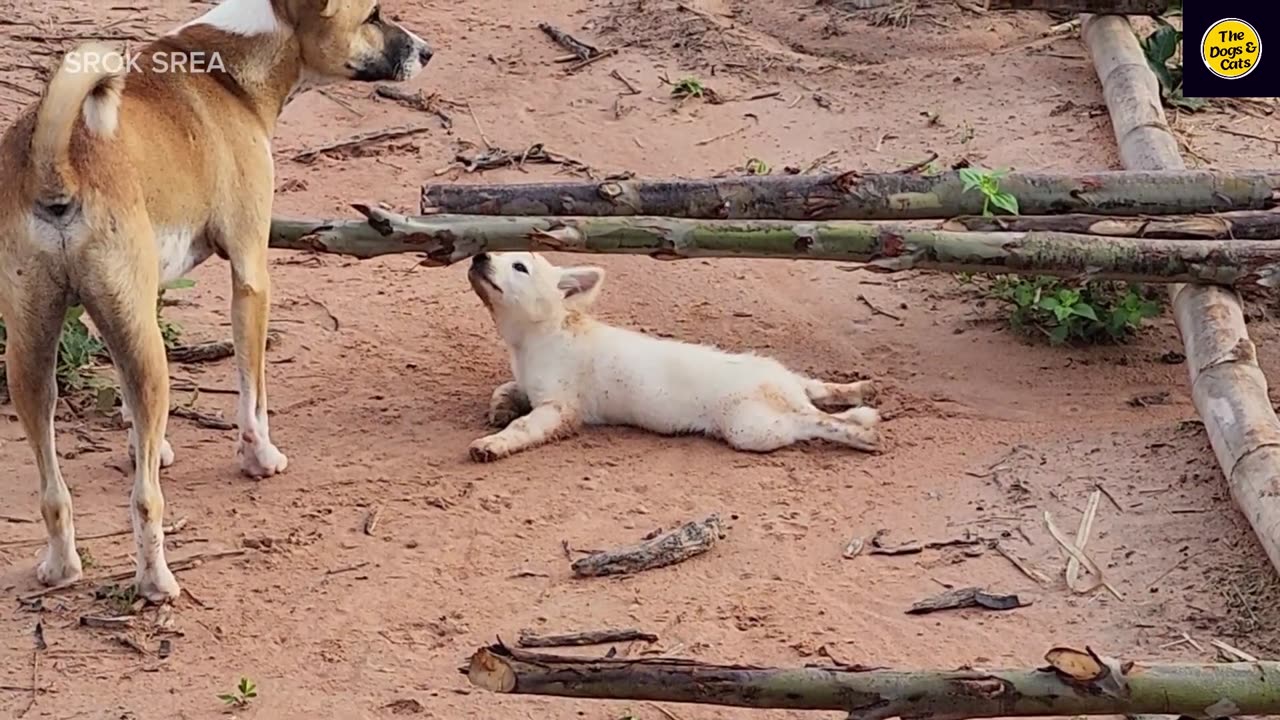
(77, 349)
(987, 182)
(170, 330)
(1097, 312)
(244, 693)
(756, 166)
(1161, 51)
(689, 87)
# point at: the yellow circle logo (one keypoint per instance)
(1231, 48)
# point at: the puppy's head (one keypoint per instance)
(352, 40)
(524, 289)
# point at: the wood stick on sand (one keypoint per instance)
(866, 196)
(1227, 385)
(1074, 683)
(447, 239)
(668, 548)
(530, 639)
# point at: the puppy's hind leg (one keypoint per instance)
(119, 281)
(760, 427)
(845, 395)
(34, 325)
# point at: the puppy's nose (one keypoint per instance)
(424, 54)
(481, 260)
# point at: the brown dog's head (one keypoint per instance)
(352, 40)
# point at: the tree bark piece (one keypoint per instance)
(856, 196)
(965, 598)
(1227, 385)
(886, 248)
(529, 639)
(1076, 683)
(1242, 225)
(668, 548)
(1112, 7)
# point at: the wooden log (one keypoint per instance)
(674, 546)
(1243, 225)
(445, 240)
(1074, 683)
(1111, 7)
(857, 196)
(1227, 385)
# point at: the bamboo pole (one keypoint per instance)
(1227, 385)
(884, 247)
(1074, 683)
(870, 196)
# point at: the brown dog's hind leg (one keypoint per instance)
(250, 307)
(119, 281)
(34, 326)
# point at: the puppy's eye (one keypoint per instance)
(375, 16)
(520, 268)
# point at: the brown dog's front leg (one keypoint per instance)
(250, 303)
(545, 423)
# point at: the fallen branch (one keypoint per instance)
(1227, 385)
(445, 240)
(1111, 7)
(211, 351)
(669, 548)
(359, 140)
(1076, 683)
(856, 196)
(965, 598)
(592, 637)
(1242, 225)
(580, 50)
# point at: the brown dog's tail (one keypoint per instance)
(87, 85)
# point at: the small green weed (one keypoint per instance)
(119, 598)
(245, 692)
(1098, 312)
(987, 182)
(170, 330)
(689, 87)
(756, 166)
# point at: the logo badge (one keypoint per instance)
(1231, 48)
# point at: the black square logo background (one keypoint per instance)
(1198, 16)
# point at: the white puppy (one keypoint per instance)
(571, 370)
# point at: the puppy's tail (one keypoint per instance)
(89, 85)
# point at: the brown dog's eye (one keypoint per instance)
(375, 16)
(519, 267)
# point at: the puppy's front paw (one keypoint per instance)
(864, 392)
(166, 452)
(489, 449)
(260, 458)
(867, 417)
(503, 413)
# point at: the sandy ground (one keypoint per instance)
(383, 372)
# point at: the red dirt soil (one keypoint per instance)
(383, 372)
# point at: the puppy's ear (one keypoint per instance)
(581, 285)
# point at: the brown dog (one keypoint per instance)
(128, 173)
